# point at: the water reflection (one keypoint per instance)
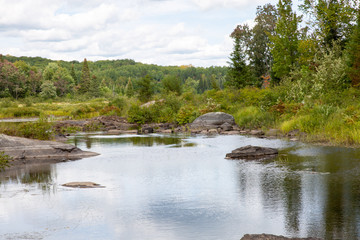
(138, 140)
(41, 176)
(174, 187)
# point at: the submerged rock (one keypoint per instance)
(82, 185)
(252, 152)
(24, 150)
(272, 237)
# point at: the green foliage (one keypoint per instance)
(145, 88)
(285, 40)
(85, 80)
(4, 161)
(42, 129)
(253, 117)
(187, 114)
(172, 84)
(239, 74)
(48, 90)
(141, 115)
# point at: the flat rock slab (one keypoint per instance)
(82, 185)
(272, 237)
(252, 153)
(28, 151)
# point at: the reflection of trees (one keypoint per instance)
(319, 193)
(40, 175)
(341, 210)
(147, 141)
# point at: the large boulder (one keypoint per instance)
(272, 237)
(252, 152)
(214, 120)
(24, 150)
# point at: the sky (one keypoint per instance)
(162, 32)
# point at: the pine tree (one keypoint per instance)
(145, 88)
(85, 79)
(239, 73)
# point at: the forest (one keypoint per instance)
(297, 68)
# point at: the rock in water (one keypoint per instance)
(252, 152)
(272, 237)
(82, 185)
(213, 120)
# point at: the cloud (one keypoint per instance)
(152, 31)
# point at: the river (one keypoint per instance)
(181, 187)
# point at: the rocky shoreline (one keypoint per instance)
(29, 151)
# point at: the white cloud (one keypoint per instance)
(166, 32)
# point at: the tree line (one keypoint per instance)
(35, 76)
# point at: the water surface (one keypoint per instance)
(181, 187)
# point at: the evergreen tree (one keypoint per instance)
(145, 88)
(85, 79)
(73, 74)
(129, 89)
(285, 40)
(94, 89)
(238, 75)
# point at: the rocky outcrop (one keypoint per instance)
(272, 237)
(104, 123)
(214, 120)
(252, 153)
(26, 151)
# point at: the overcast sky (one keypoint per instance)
(162, 32)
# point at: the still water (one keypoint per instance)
(181, 187)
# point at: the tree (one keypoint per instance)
(145, 88)
(48, 90)
(94, 89)
(73, 74)
(285, 40)
(60, 77)
(239, 74)
(85, 80)
(129, 89)
(332, 19)
(353, 54)
(259, 52)
(172, 84)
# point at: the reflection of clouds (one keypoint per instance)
(182, 193)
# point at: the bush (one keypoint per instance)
(42, 129)
(186, 114)
(4, 161)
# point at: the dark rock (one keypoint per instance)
(226, 127)
(252, 152)
(272, 237)
(147, 130)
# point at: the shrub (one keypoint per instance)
(4, 161)
(42, 129)
(186, 114)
